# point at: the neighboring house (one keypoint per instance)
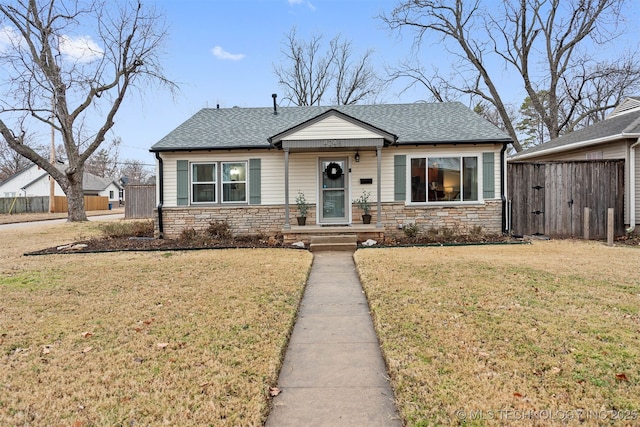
(436, 165)
(33, 181)
(615, 138)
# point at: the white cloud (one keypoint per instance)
(82, 49)
(9, 36)
(220, 53)
(296, 2)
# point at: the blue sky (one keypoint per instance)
(223, 52)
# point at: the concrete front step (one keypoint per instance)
(338, 242)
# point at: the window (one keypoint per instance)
(203, 182)
(444, 179)
(231, 175)
(110, 194)
(234, 182)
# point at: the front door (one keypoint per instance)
(334, 191)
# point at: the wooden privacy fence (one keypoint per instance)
(40, 204)
(549, 198)
(141, 200)
(91, 203)
(24, 204)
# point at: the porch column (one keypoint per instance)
(287, 225)
(379, 186)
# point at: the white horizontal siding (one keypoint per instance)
(332, 127)
(169, 172)
(304, 167)
(637, 182)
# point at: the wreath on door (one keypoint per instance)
(333, 171)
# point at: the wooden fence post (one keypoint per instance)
(586, 230)
(610, 227)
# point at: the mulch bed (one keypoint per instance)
(153, 244)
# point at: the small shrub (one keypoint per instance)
(411, 230)
(118, 229)
(476, 233)
(188, 234)
(449, 233)
(219, 230)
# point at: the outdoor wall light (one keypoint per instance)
(357, 157)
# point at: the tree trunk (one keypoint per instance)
(75, 200)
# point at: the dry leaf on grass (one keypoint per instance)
(163, 344)
(87, 334)
(87, 349)
(621, 377)
(274, 391)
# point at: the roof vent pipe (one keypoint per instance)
(275, 106)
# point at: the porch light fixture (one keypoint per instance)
(357, 157)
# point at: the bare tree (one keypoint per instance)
(135, 172)
(104, 162)
(307, 72)
(11, 162)
(355, 80)
(68, 65)
(544, 41)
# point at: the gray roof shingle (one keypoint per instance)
(623, 125)
(228, 128)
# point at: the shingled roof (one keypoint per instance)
(623, 123)
(419, 123)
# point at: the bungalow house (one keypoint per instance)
(431, 164)
(615, 138)
(33, 181)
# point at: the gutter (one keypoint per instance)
(161, 189)
(632, 187)
(209, 149)
(503, 190)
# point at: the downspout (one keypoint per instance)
(503, 185)
(161, 197)
(379, 187)
(632, 187)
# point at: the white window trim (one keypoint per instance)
(218, 182)
(477, 155)
(245, 182)
(215, 182)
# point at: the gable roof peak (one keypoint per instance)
(629, 104)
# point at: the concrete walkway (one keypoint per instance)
(333, 372)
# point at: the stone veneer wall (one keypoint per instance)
(269, 220)
(488, 216)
